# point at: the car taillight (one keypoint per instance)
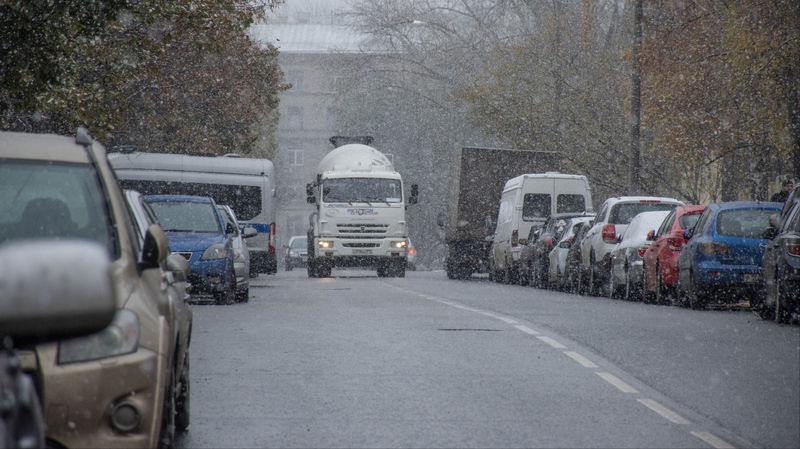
(271, 238)
(570, 239)
(713, 248)
(515, 238)
(548, 242)
(675, 243)
(609, 233)
(793, 247)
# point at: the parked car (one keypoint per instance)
(611, 221)
(559, 255)
(117, 386)
(296, 252)
(195, 230)
(177, 310)
(661, 258)
(241, 255)
(627, 257)
(536, 250)
(722, 260)
(572, 274)
(781, 267)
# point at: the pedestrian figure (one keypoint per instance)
(781, 196)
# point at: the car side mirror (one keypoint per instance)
(414, 198)
(154, 248)
(249, 232)
(54, 289)
(230, 228)
(179, 267)
(310, 197)
(565, 244)
(769, 233)
(688, 233)
(651, 236)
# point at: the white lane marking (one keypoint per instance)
(713, 440)
(499, 317)
(586, 363)
(552, 342)
(617, 382)
(668, 414)
(526, 329)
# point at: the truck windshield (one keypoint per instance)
(361, 190)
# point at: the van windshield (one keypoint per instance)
(536, 206)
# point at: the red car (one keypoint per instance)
(661, 258)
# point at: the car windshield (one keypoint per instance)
(186, 216)
(299, 243)
(46, 200)
(749, 223)
(361, 190)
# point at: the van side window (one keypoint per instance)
(536, 206)
(570, 202)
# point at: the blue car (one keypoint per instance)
(196, 231)
(721, 261)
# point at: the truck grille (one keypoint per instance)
(362, 230)
(361, 245)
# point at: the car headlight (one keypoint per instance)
(215, 251)
(120, 337)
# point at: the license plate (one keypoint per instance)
(750, 278)
(362, 252)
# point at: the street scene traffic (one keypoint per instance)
(399, 223)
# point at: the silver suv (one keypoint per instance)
(610, 224)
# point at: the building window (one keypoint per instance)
(295, 77)
(295, 157)
(294, 117)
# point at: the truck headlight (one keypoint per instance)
(120, 337)
(215, 251)
(399, 244)
(325, 244)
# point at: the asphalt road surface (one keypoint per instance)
(423, 361)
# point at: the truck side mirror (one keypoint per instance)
(414, 198)
(310, 197)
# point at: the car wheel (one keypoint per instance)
(780, 309)
(182, 403)
(591, 288)
(629, 296)
(244, 295)
(659, 294)
(697, 300)
(611, 289)
(166, 439)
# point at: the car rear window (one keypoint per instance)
(570, 202)
(623, 213)
(689, 220)
(42, 199)
(749, 223)
(185, 216)
(536, 206)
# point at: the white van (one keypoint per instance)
(527, 201)
(247, 185)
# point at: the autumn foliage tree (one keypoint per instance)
(163, 75)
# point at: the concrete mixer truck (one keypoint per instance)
(360, 214)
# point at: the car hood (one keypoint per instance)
(192, 241)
